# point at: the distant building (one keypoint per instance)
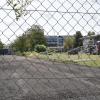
(55, 42)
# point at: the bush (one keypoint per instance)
(40, 48)
(18, 53)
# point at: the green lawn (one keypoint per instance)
(83, 59)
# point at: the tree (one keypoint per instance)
(19, 44)
(97, 38)
(37, 36)
(22, 43)
(91, 33)
(19, 6)
(26, 42)
(1, 45)
(78, 39)
(69, 42)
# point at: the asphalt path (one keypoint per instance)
(34, 79)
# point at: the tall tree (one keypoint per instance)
(97, 37)
(69, 42)
(37, 36)
(78, 39)
(33, 36)
(1, 45)
(91, 33)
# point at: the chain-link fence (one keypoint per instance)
(51, 53)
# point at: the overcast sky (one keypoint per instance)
(72, 16)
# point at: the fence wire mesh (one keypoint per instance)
(51, 53)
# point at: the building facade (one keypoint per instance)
(55, 42)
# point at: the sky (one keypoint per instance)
(57, 17)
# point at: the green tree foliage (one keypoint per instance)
(97, 37)
(91, 33)
(78, 39)
(37, 36)
(69, 42)
(40, 48)
(19, 7)
(1, 45)
(19, 44)
(27, 41)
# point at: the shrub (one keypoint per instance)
(40, 48)
(18, 53)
